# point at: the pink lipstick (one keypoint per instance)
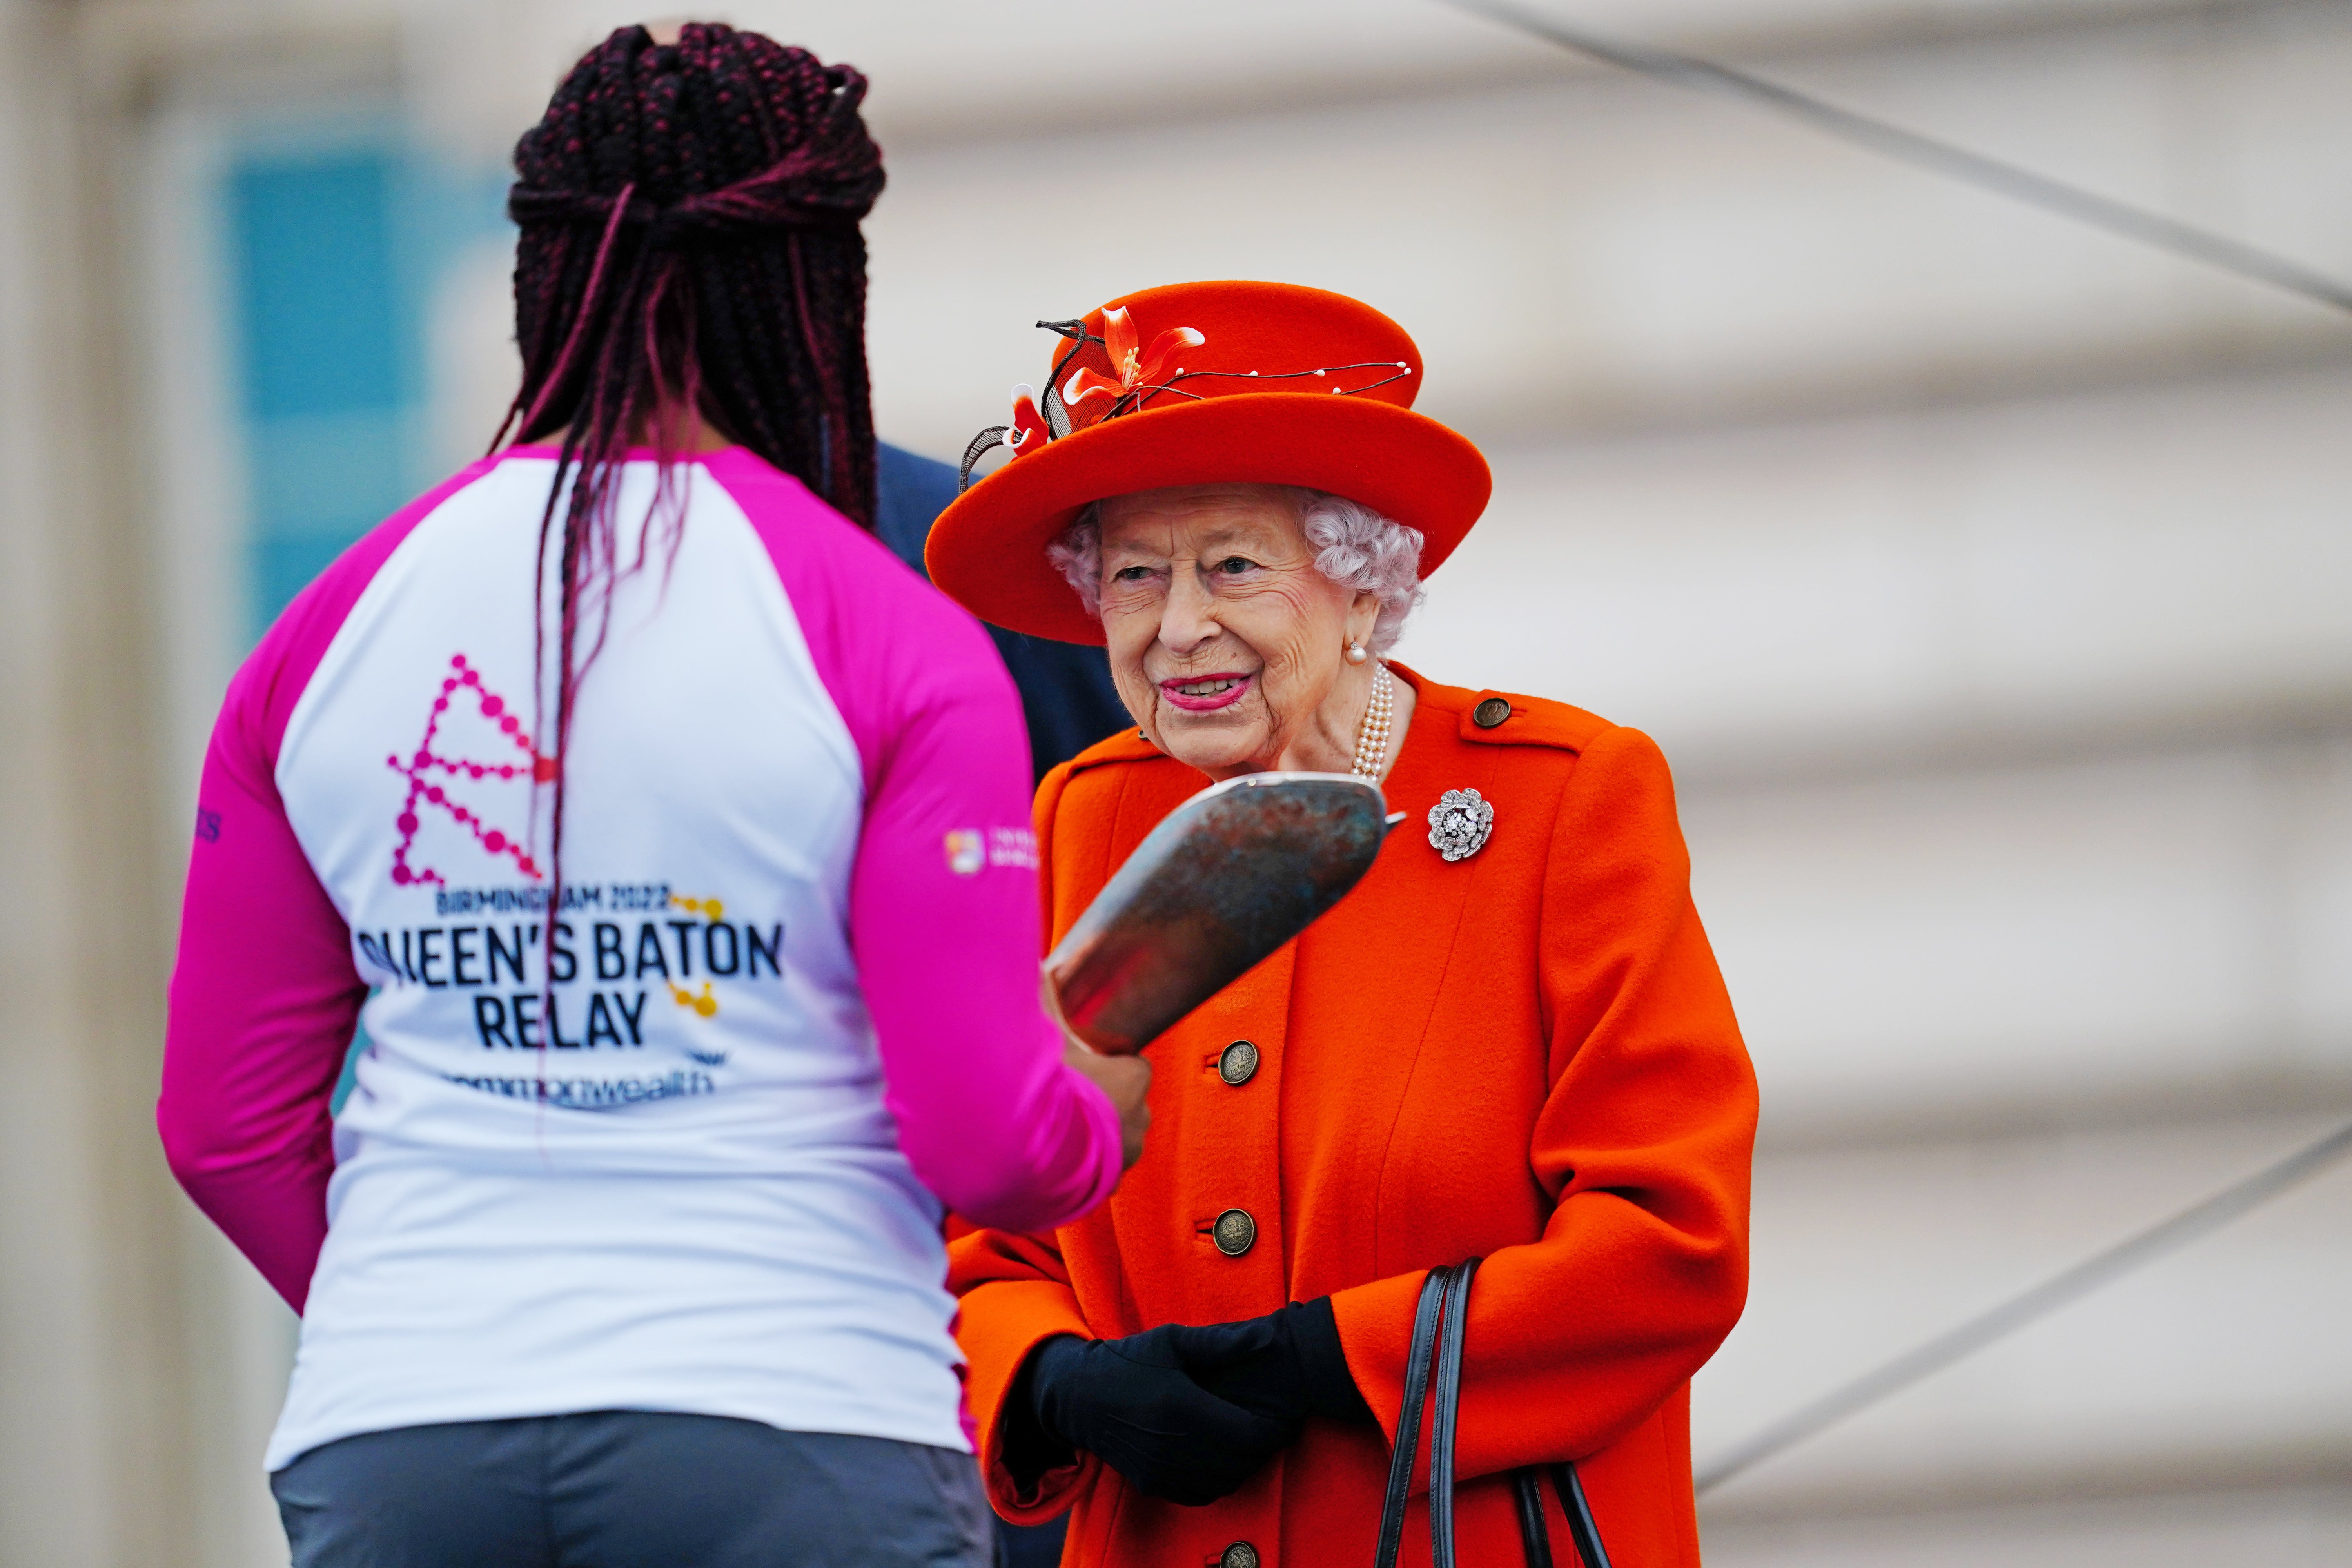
(1206, 693)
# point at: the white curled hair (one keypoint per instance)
(1355, 547)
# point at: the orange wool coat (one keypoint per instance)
(1526, 1054)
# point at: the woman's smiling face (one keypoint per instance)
(1225, 642)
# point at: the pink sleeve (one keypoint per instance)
(264, 1001)
(943, 902)
(264, 996)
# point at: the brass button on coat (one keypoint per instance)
(1240, 1555)
(1237, 1064)
(1235, 1232)
(1491, 712)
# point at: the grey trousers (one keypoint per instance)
(631, 1489)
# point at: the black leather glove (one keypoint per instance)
(1130, 1403)
(1286, 1366)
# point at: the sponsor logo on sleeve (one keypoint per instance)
(967, 851)
(971, 851)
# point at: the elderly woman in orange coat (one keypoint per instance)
(1511, 1041)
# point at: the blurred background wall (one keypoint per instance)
(1986, 578)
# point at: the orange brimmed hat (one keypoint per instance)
(1200, 384)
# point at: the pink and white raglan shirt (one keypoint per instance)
(697, 1163)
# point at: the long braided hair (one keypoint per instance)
(689, 244)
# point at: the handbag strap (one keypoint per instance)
(1582, 1528)
(1408, 1430)
(1453, 1321)
(1434, 1366)
(1534, 1534)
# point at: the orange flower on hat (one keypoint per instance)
(1029, 432)
(1135, 371)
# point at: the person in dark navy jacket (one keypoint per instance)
(1065, 691)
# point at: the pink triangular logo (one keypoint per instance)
(474, 749)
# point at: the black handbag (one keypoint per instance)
(1436, 1359)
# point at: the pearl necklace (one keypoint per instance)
(1373, 734)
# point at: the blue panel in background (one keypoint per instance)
(316, 282)
(329, 342)
(334, 251)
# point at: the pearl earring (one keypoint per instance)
(1357, 653)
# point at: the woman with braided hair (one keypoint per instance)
(668, 837)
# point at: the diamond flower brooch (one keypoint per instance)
(1459, 824)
